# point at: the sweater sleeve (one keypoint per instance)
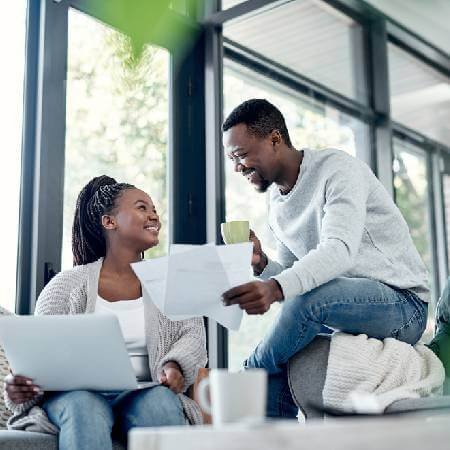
(285, 259)
(342, 226)
(188, 350)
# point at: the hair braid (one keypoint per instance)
(97, 198)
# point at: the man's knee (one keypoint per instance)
(303, 306)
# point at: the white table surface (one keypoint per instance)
(399, 432)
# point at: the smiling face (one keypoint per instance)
(134, 221)
(254, 157)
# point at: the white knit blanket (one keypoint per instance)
(367, 375)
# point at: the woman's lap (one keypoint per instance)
(154, 406)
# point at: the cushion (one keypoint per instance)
(4, 370)
(27, 440)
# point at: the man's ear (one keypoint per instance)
(108, 222)
(276, 138)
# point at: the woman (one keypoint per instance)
(114, 224)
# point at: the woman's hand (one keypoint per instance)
(20, 389)
(259, 258)
(172, 377)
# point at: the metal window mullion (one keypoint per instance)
(188, 170)
(215, 173)
(433, 224)
(439, 214)
(24, 266)
(48, 189)
(379, 80)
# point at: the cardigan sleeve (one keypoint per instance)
(187, 349)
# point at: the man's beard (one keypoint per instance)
(263, 186)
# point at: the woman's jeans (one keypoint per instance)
(351, 305)
(86, 419)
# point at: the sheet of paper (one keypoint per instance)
(190, 281)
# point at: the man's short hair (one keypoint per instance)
(261, 118)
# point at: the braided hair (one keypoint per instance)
(96, 199)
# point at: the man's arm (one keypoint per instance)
(340, 238)
(341, 233)
(264, 267)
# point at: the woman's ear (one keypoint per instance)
(108, 222)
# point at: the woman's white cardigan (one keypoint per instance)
(75, 291)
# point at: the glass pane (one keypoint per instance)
(411, 196)
(12, 46)
(420, 95)
(310, 124)
(308, 37)
(117, 118)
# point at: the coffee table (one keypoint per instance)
(385, 432)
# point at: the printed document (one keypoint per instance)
(190, 281)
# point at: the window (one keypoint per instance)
(310, 38)
(420, 95)
(411, 196)
(12, 45)
(310, 124)
(117, 118)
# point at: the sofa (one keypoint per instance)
(306, 374)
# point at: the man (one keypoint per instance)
(346, 260)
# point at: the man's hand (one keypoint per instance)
(172, 377)
(20, 389)
(259, 258)
(255, 297)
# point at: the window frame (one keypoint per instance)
(196, 173)
(42, 184)
(378, 30)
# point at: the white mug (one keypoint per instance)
(235, 396)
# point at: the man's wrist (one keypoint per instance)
(259, 269)
(277, 290)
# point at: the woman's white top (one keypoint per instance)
(130, 314)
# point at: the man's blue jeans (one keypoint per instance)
(351, 305)
(86, 419)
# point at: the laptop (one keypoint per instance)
(70, 352)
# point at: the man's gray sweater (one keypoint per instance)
(339, 221)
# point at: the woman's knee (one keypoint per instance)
(80, 406)
(159, 406)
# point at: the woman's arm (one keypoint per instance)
(188, 348)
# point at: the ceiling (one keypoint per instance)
(429, 19)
